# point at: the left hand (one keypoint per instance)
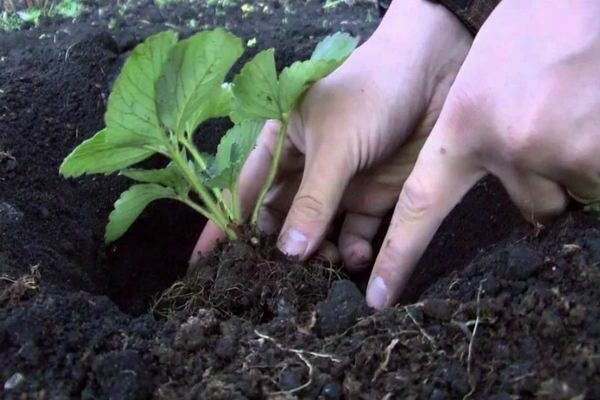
(354, 138)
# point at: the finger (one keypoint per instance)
(583, 185)
(277, 204)
(252, 177)
(585, 196)
(208, 239)
(328, 252)
(325, 178)
(442, 176)
(537, 197)
(355, 240)
(257, 166)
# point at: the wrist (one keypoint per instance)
(408, 18)
(425, 36)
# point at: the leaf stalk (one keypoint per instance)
(215, 213)
(274, 167)
(202, 164)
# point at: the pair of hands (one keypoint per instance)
(417, 115)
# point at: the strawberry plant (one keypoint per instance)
(165, 90)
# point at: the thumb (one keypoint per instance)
(326, 175)
(442, 175)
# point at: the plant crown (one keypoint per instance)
(165, 90)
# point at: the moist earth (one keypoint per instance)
(495, 310)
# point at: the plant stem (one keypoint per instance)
(274, 167)
(215, 213)
(200, 161)
(190, 203)
(235, 202)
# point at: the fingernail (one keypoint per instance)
(377, 293)
(293, 243)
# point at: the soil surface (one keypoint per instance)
(496, 309)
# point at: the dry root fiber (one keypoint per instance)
(248, 278)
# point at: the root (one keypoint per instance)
(383, 366)
(178, 298)
(421, 329)
(4, 155)
(472, 342)
(242, 280)
(302, 356)
(21, 288)
(12, 6)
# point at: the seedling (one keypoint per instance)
(9, 22)
(165, 90)
(15, 12)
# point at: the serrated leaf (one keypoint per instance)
(189, 87)
(130, 205)
(107, 151)
(132, 102)
(168, 176)
(222, 103)
(256, 89)
(297, 78)
(335, 47)
(232, 152)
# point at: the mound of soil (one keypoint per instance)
(496, 309)
(248, 278)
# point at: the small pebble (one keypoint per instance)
(14, 381)
(9, 214)
(289, 380)
(331, 391)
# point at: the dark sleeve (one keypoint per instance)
(472, 13)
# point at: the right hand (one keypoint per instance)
(354, 139)
(525, 108)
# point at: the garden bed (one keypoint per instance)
(496, 309)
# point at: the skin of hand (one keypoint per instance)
(355, 137)
(524, 107)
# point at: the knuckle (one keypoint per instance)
(520, 143)
(414, 201)
(309, 208)
(461, 110)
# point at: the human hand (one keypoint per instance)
(355, 137)
(525, 107)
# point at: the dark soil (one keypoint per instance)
(515, 314)
(248, 278)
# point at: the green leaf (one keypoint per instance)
(222, 103)
(232, 152)
(335, 47)
(256, 89)
(297, 78)
(189, 88)
(132, 103)
(130, 205)
(106, 152)
(168, 176)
